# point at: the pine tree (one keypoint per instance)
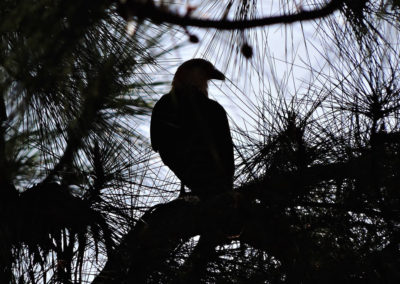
(84, 199)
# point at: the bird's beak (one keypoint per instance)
(216, 74)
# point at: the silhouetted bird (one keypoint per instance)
(191, 131)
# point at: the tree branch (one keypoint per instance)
(95, 96)
(260, 225)
(150, 11)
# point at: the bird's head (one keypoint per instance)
(196, 73)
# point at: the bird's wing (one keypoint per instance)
(156, 124)
(223, 138)
(164, 122)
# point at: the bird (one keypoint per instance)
(191, 132)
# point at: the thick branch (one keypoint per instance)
(146, 247)
(152, 241)
(307, 177)
(150, 11)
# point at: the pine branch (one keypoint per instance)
(259, 225)
(95, 99)
(158, 15)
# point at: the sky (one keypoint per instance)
(279, 68)
(280, 64)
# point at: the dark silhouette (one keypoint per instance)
(191, 131)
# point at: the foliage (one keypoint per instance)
(74, 88)
(317, 180)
